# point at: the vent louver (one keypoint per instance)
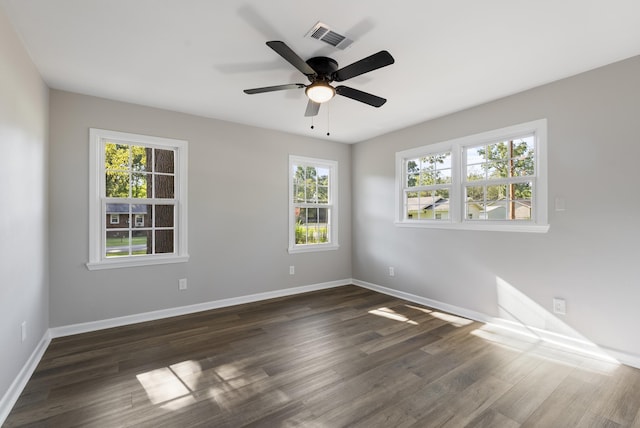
(325, 34)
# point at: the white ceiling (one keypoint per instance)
(196, 56)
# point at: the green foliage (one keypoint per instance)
(310, 234)
(429, 170)
(311, 184)
(505, 159)
(125, 166)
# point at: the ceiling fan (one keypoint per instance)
(321, 72)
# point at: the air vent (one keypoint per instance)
(325, 34)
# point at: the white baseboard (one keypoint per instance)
(10, 397)
(572, 344)
(185, 310)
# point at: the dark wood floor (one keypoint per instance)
(340, 357)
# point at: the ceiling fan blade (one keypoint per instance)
(365, 65)
(274, 88)
(292, 58)
(357, 95)
(312, 109)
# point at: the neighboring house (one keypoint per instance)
(117, 215)
(429, 208)
(498, 210)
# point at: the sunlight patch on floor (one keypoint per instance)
(392, 315)
(166, 388)
(452, 319)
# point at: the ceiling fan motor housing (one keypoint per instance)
(324, 66)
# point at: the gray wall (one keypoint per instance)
(24, 292)
(238, 196)
(590, 255)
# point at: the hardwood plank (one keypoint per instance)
(491, 418)
(347, 356)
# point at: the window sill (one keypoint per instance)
(313, 248)
(117, 263)
(480, 226)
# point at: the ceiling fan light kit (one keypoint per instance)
(320, 92)
(321, 72)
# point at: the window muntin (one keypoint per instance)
(490, 181)
(141, 182)
(312, 204)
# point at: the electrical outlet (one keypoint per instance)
(392, 271)
(559, 306)
(292, 270)
(182, 284)
(23, 330)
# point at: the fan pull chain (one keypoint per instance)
(328, 121)
(311, 122)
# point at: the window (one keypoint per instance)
(491, 181)
(313, 208)
(138, 200)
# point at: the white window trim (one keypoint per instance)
(539, 221)
(96, 187)
(333, 203)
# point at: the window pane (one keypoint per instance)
(497, 151)
(323, 194)
(164, 161)
(117, 184)
(298, 191)
(443, 176)
(521, 191)
(496, 210)
(426, 206)
(523, 167)
(142, 215)
(496, 170)
(523, 147)
(164, 216)
(521, 209)
(441, 204)
(141, 242)
(413, 204)
(412, 180)
(164, 241)
(139, 183)
(495, 193)
(118, 243)
(475, 172)
(474, 193)
(139, 158)
(310, 192)
(164, 186)
(116, 157)
(474, 211)
(475, 155)
(117, 216)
